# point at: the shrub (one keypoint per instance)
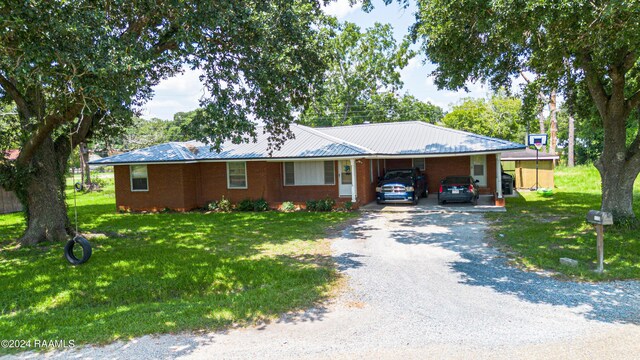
(348, 206)
(245, 205)
(287, 206)
(212, 206)
(260, 205)
(311, 205)
(325, 204)
(224, 205)
(99, 183)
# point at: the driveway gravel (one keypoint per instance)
(424, 286)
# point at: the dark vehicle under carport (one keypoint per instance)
(458, 189)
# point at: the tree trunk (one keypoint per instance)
(618, 167)
(553, 123)
(617, 190)
(572, 142)
(44, 198)
(84, 163)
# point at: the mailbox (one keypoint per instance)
(599, 217)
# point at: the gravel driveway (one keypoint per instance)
(426, 285)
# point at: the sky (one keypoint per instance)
(181, 93)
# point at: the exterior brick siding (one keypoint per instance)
(184, 187)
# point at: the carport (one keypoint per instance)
(438, 152)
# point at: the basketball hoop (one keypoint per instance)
(538, 145)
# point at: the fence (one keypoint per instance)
(9, 202)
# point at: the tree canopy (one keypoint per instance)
(362, 80)
(499, 117)
(81, 68)
(566, 44)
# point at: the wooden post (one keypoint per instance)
(600, 246)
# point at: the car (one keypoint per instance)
(401, 186)
(458, 188)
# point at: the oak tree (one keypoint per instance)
(80, 69)
(595, 42)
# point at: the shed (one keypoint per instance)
(8, 200)
(522, 166)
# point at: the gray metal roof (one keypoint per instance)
(389, 139)
(417, 138)
(308, 143)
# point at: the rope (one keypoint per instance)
(73, 180)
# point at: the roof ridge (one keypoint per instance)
(467, 133)
(334, 138)
(370, 124)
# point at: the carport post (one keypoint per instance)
(354, 178)
(498, 176)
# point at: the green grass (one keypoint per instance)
(166, 272)
(538, 231)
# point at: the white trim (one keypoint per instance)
(498, 176)
(131, 178)
(246, 180)
(371, 170)
(354, 185)
(284, 174)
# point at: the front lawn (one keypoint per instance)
(541, 230)
(159, 273)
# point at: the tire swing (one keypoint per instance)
(71, 253)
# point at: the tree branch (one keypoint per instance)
(594, 83)
(15, 94)
(45, 129)
(629, 61)
(634, 101)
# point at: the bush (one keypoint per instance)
(245, 205)
(260, 205)
(348, 206)
(287, 206)
(311, 205)
(100, 183)
(325, 205)
(224, 205)
(212, 206)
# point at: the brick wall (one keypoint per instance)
(166, 189)
(187, 186)
(439, 168)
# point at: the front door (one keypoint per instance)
(479, 169)
(345, 175)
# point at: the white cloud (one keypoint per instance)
(179, 93)
(340, 8)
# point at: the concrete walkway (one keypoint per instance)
(430, 204)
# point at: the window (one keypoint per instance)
(418, 163)
(237, 175)
(139, 178)
(309, 173)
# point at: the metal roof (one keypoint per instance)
(417, 138)
(389, 139)
(528, 154)
(308, 143)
